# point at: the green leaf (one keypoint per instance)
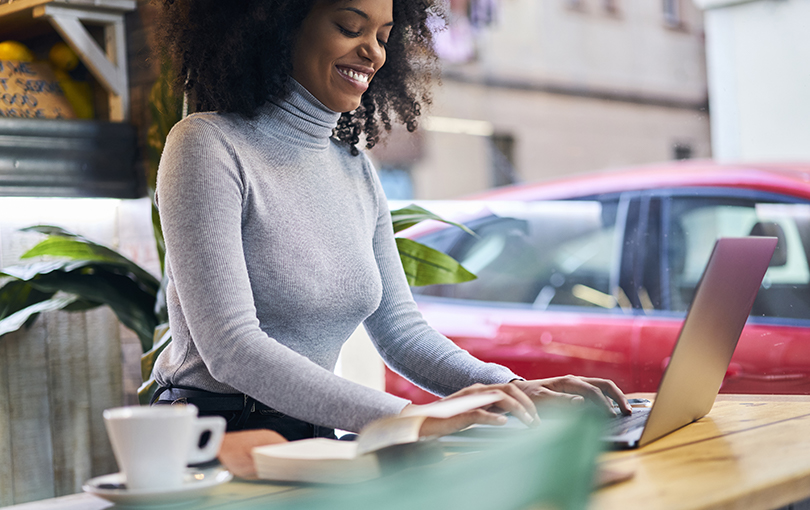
(50, 230)
(81, 305)
(160, 243)
(16, 320)
(133, 305)
(146, 390)
(161, 307)
(27, 272)
(77, 248)
(413, 214)
(16, 295)
(161, 339)
(34, 270)
(425, 266)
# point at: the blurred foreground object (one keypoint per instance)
(551, 466)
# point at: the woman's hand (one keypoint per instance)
(236, 446)
(513, 401)
(572, 389)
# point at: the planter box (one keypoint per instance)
(56, 378)
(67, 158)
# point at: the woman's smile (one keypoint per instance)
(339, 48)
(357, 77)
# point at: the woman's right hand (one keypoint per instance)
(513, 401)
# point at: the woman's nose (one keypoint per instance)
(373, 51)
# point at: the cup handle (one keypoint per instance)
(216, 426)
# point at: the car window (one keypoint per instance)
(542, 254)
(695, 223)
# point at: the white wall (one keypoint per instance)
(631, 50)
(758, 57)
(555, 135)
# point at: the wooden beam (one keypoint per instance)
(109, 64)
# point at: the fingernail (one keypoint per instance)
(527, 418)
(502, 419)
(578, 399)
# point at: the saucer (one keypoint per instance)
(196, 483)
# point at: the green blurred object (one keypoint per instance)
(551, 466)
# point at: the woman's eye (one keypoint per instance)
(384, 44)
(347, 32)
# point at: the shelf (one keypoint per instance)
(67, 158)
(73, 158)
(22, 19)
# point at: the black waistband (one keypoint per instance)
(207, 401)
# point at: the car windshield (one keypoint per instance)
(536, 253)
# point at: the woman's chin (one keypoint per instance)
(345, 107)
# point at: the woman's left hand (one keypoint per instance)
(235, 454)
(572, 389)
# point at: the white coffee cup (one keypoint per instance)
(153, 445)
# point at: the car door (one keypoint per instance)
(773, 354)
(548, 299)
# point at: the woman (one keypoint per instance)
(279, 239)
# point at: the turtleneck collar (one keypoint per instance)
(299, 118)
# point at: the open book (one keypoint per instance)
(322, 460)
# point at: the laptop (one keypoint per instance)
(721, 304)
(720, 307)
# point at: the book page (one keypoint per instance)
(453, 406)
(314, 449)
(404, 428)
(388, 432)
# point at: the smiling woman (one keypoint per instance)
(339, 49)
(279, 240)
(232, 57)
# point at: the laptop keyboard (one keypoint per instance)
(623, 424)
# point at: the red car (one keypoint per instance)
(593, 275)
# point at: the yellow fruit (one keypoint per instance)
(78, 93)
(62, 57)
(13, 50)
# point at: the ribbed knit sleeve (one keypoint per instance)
(205, 198)
(405, 341)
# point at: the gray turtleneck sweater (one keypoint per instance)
(279, 243)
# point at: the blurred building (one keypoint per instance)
(758, 55)
(533, 89)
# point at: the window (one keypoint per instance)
(575, 5)
(695, 223)
(502, 158)
(681, 151)
(396, 182)
(611, 6)
(672, 13)
(542, 254)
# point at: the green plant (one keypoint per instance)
(79, 276)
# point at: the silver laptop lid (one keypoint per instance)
(721, 304)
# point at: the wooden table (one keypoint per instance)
(750, 452)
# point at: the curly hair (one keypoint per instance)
(232, 57)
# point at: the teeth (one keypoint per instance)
(361, 77)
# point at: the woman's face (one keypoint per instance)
(339, 47)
